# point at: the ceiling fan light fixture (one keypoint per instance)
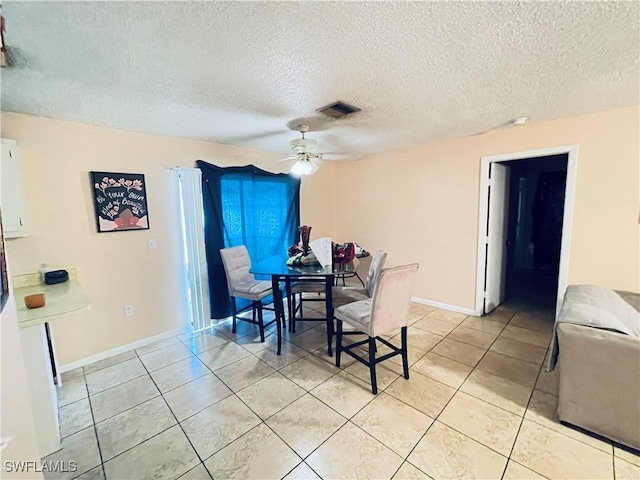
(304, 167)
(304, 149)
(303, 145)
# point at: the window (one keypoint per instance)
(254, 213)
(245, 206)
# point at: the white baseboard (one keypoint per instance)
(172, 333)
(444, 306)
(124, 348)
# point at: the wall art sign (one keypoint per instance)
(120, 200)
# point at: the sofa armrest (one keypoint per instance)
(600, 382)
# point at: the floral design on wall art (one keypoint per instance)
(120, 201)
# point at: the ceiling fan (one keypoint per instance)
(304, 153)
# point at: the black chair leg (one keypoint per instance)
(293, 316)
(372, 365)
(233, 324)
(338, 342)
(258, 306)
(330, 334)
(289, 307)
(405, 353)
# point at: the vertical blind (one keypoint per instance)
(196, 286)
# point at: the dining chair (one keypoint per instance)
(314, 285)
(340, 295)
(243, 284)
(347, 294)
(343, 295)
(384, 313)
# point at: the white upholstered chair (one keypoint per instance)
(315, 286)
(344, 295)
(243, 284)
(384, 313)
(340, 295)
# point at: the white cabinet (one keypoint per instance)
(12, 198)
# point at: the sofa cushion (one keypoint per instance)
(631, 298)
(597, 307)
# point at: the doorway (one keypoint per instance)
(526, 208)
(534, 230)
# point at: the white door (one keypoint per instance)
(496, 263)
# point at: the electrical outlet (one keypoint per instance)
(128, 310)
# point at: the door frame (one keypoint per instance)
(567, 219)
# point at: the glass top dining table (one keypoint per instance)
(276, 267)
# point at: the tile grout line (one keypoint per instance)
(201, 461)
(348, 420)
(95, 431)
(456, 391)
(148, 373)
(262, 421)
(146, 439)
(160, 394)
(522, 422)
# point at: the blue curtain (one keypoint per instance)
(245, 206)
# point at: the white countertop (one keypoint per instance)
(59, 299)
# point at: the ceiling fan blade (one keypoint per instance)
(254, 136)
(337, 156)
(289, 158)
(492, 129)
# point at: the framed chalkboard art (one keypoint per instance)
(120, 201)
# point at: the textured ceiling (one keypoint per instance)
(242, 73)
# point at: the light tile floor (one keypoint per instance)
(479, 404)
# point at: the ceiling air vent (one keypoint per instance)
(338, 109)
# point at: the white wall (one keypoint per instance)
(117, 268)
(421, 204)
(15, 400)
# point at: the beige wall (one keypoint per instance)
(118, 269)
(421, 204)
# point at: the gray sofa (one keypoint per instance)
(596, 345)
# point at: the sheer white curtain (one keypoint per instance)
(195, 282)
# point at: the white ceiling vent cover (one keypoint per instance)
(338, 109)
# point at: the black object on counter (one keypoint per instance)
(56, 276)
